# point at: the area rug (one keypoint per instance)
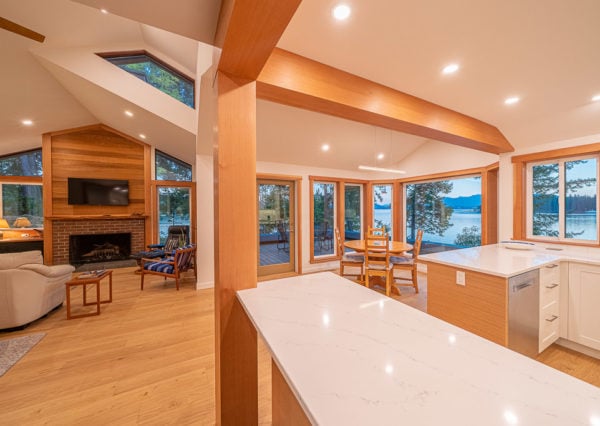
(12, 350)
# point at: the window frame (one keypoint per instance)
(339, 211)
(18, 153)
(519, 186)
(159, 153)
(562, 194)
(463, 174)
(179, 74)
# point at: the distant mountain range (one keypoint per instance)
(470, 202)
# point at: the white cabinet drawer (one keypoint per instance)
(549, 323)
(548, 293)
(550, 273)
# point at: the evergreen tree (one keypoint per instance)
(425, 208)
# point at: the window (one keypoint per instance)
(352, 212)
(562, 199)
(170, 168)
(27, 163)
(383, 207)
(323, 218)
(22, 200)
(173, 209)
(448, 212)
(156, 73)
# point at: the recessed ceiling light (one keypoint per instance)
(512, 100)
(341, 12)
(325, 147)
(104, 11)
(450, 69)
(128, 113)
(142, 136)
(27, 122)
(380, 156)
(595, 98)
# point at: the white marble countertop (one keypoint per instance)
(353, 356)
(497, 260)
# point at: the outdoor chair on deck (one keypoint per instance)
(325, 236)
(283, 237)
(183, 260)
(403, 263)
(351, 259)
(177, 236)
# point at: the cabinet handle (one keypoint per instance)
(554, 265)
(551, 286)
(554, 318)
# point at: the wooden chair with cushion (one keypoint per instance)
(177, 236)
(377, 259)
(351, 259)
(183, 260)
(403, 263)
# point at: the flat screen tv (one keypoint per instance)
(98, 192)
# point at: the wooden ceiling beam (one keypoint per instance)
(21, 30)
(247, 33)
(297, 81)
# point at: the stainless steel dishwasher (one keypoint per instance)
(524, 313)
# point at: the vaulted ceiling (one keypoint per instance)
(545, 53)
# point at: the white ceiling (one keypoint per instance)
(548, 53)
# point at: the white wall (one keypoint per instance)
(505, 202)
(438, 157)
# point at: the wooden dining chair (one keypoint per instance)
(377, 259)
(404, 263)
(351, 259)
(375, 231)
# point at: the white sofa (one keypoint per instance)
(28, 288)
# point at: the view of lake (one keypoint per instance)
(466, 218)
(459, 220)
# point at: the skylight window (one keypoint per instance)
(156, 73)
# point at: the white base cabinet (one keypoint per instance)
(584, 304)
(549, 306)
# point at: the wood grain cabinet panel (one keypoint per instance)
(480, 306)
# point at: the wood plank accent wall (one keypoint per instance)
(97, 153)
(481, 306)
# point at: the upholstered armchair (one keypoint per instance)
(28, 288)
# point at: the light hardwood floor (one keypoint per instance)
(149, 359)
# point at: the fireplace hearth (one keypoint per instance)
(94, 248)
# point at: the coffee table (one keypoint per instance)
(84, 280)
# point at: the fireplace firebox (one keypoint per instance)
(93, 248)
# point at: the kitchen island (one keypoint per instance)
(470, 288)
(353, 356)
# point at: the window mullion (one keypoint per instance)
(561, 200)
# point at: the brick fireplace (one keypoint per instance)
(62, 229)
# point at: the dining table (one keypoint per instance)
(394, 247)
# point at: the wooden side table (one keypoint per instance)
(85, 281)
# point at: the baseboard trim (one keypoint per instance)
(578, 348)
(205, 285)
